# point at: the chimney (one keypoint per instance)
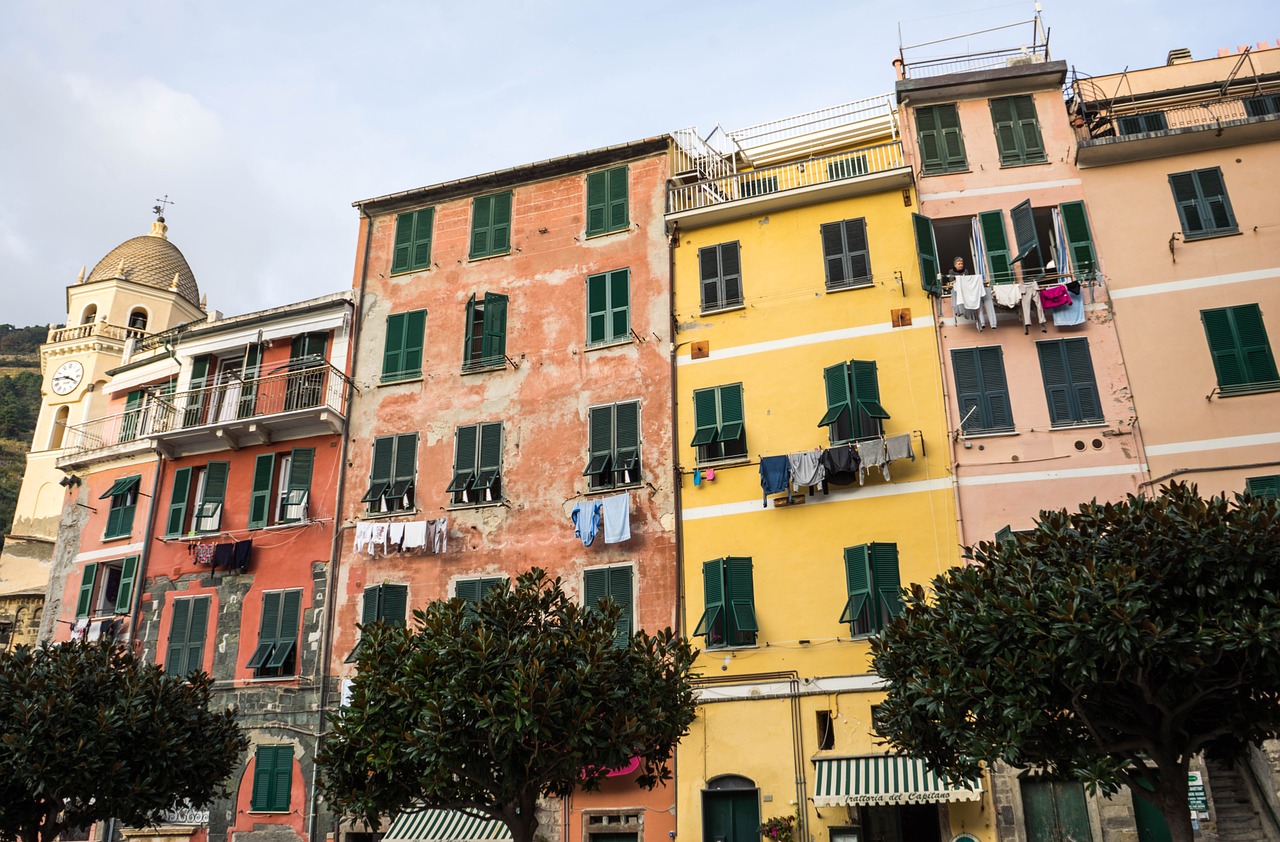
(1178, 55)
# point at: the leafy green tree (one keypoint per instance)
(89, 732)
(485, 708)
(1109, 645)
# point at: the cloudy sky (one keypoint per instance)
(264, 121)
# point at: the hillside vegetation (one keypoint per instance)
(19, 406)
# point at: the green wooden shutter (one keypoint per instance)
(249, 388)
(393, 346)
(1024, 230)
(132, 412)
(618, 211)
(298, 483)
(84, 603)
(422, 228)
(394, 604)
(952, 139)
(260, 495)
(595, 587)
(468, 590)
(1213, 196)
(1004, 535)
(494, 346)
(178, 503)
(836, 378)
(1028, 130)
(620, 592)
(402, 251)
(489, 467)
(599, 443)
(709, 276)
(929, 135)
(626, 433)
(1224, 348)
(415, 327)
(267, 629)
(999, 264)
(1186, 196)
(128, 579)
(470, 357)
(1268, 487)
(383, 459)
(866, 396)
(481, 223)
(1075, 222)
(964, 365)
(1083, 385)
(370, 606)
(884, 567)
(286, 633)
(995, 389)
(272, 779)
(730, 275)
(500, 240)
(215, 487)
(619, 304)
(741, 598)
(197, 630)
(597, 203)
(732, 419)
(857, 255)
(1057, 385)
(927, 252)
(465, 440)
(857, 570)
(705, 422)
(1002, 120)
(175, 660)
(1259, 363)
(597, 308)
(406, 459)
(713, 595)
(833, 253)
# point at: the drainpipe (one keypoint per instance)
(673, 242)
(935, 305)
(140, 576)
(335, 554)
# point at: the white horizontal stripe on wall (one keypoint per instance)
(1212, 444)
(1041, 476)
(119, 551)
(837, 495)
(1196, 283)
(806, 339)
(1004, 188)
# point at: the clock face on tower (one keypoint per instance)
(67, 377)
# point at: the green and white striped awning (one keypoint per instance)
(445, 826)
(882, 779)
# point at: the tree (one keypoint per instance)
(89, 732)
(1109, 645)
(486, 707)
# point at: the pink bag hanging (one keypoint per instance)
(1054, 296)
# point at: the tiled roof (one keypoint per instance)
(152, 260)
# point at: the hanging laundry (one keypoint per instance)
(775, 476)
(364, 536)
(697, 477)
(1055, 295)
(415, 535)
(1071, 314)
(439, 534)
(586, 517)
(378, 539)
(806, 469)
(840, 464)
(204, 553)
(395, 536)
(616, 512)
(899, 447)
(870, 455)
(221, 556)
(81, 626)
(1030, 296)
(1007, 295)
(240, 554)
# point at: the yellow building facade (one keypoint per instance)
(803, 337)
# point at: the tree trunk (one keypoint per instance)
(522, 820)
(1170, 798)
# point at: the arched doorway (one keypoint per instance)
(731, 810)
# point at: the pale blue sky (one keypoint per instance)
(264, 121)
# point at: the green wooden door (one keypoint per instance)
(1151, 824)
(1055, 811)
(732, 816)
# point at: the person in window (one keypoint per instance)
(957, 269)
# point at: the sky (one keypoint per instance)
(263, 121)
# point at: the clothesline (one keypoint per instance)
(386, 537)
(838, 465)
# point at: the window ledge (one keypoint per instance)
(993, 434)
(612, 489)
(844, 287)
(729, 309)
(254, 812)
(387, 515)
(1082, 425)
(273, 679)
(611, 343)
(456, 507)
(1039, 163)
(730, 462)
(481, 369)
(1212, 235)
(740, 647)
(397, 381)
(475, 258)
(411, 270)
(1250, 389)
(926, 174)
(610, 232)
(108, 538)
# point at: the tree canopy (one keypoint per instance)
(89, 732)
(485, 707)
(1110, 645)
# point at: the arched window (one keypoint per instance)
(90, 313)
(59, 427)
(138, 319)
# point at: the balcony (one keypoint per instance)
(92, 330)
(848, 173)
(1108, 136)
(291, 403)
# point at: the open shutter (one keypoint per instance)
(402, 251)
(1083, 385)
(884, 567)
(128, 578)
(267, 627)
(995, 390)
(999, 265)
(866, 396)
(464, 458)
(469, 351)
(490, 457)
(215, 489)
(196, 396)
(620, 592)
(597, 308)
(175, 659)
(857, 569)
(260, 495)
(404, 472)
(1057, 385)
(705, 422)
(85, 603)
(1259, 363)
(597, 203)
(927, 252)
(626, 436)
(712, 618)
(600, 441)
(495, 329)
(731, 413)
(132, 414)
(836, 378)
(178, 503)
(298, 483)
(618, 215)
(249, 388)
(1024, 230)
(1084, 260)
(741, 598)
(964, 364)
(286, 638)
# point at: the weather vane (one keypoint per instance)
(159, 209)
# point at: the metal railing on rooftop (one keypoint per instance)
(841, 166)
(1209, 114)
(815, 121)
(991, 60)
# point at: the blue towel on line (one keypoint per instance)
(586, 521)
(775, 475)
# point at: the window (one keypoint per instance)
(187, 630)
(288, 475)
(276, 653)
(941, 143)
(1261, 106)
(730, 615)
(758, 186)
(981, 390)
(392, 473)
(719, 430)
(609, 307)
(613, 442)
(1069, 385)
(607, 201)
(386, 603)
(107, 588)
(412, 249)
(853, 402)
(477, 465)
(272, 779)
(485, 345)
(472, 591)
(210, 484)
(844, 248)
(402, 350)
(1203, 206)
(826, 732)
(721, 274)
(1268, 487)
(491, 225)
(1017, 131)
(1241, 352)
(1152, 121)
(123, 494)
(613, 582)
(871, 571)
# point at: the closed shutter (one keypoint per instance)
(404, 470)
(927, 252)
(272, 779)
(599, 442)
(128, 579)
(464, 458)
(1002, 120)
(489, 463)
(619, 217)
(884, 567)
(402, 251)
(1259, 364)
(620, 591)
(619, 304)
(178, 503)
(260, 495)
(468, 590)
(1267, 487)
(1024, 230)
(1224, 348)
(415, 327)
(597, 308)
(1239, 347)
(866, 397)
(369, 606)
(999, 261)
(1057, 386)
(597, 203)
(197, 630)
(995, 389)
(494, 347)
(741, 599)
(709, 276)
(393, 346)
(952, 139)
(705, 426)
(859, 259)
(1084, 260)
(1028, 130)
(423, 223)
(710, 624)
(1187, 199)
(1069, 383)
(595, 587)
(500, 241)
(833, 253)
(730, 275)
(481, 223)
(380, 471)
(930, 139)
(175, 660)
(1083, 385)
(857, 570)
(964, 365)
(85, 602)
(1215, 205)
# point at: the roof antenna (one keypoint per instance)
(159, 209)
